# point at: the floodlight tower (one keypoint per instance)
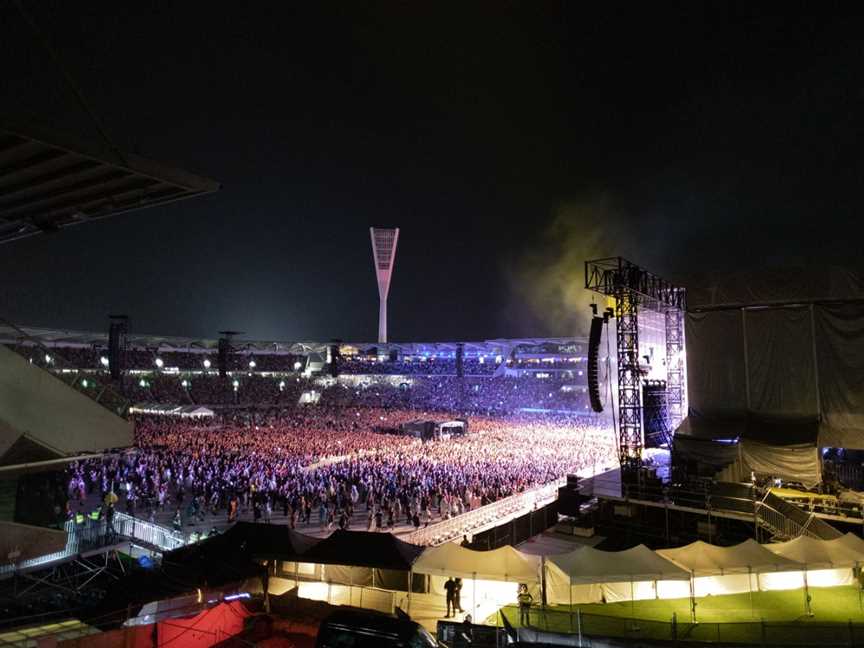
(383, 253)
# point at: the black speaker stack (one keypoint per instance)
(118, 330)
(335, 357)
(594, 363)
(569, 497)
(222, 358)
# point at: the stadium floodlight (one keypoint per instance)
(84, 383)
(47, 359)
(281, 385)
(236, 384)
(160, 363)
(206, 363)
(297, 366)
(251, 364)
(103, 361)
(384, 254)
(184, 382)
(142, 383)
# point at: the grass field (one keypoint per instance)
(728, 618)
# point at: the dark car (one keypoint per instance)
(356, 629)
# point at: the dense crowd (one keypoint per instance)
(332, 466)
(431, 365)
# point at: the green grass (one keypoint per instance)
(720, 618)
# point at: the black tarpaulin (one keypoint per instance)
(770, 429)
(840, 357)
(782, 378)
(364, 549)
(715, 361)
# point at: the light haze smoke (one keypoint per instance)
(547, 282)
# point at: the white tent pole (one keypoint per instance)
(857, 573)
(806, 594)
(750, 587)
(693, 596)
(474, 596)
(579, 626)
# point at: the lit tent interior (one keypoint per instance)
(588, 575)
(490, 578)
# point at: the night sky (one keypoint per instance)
(509, 141)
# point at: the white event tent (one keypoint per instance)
(727, 570)
(588, 575)
(492, 577)
(823, 563)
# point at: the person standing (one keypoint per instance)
(525, 600)
(450, 590)
(232, 509)
(457, 596)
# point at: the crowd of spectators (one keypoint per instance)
(422, 365)
(322, 466)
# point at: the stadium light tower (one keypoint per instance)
(384, 253)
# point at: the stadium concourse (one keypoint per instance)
(289, 442)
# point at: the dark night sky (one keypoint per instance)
(507, 140)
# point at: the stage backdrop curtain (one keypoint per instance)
(799, 462)
(780, 361)
(715, 362)
(840, 356)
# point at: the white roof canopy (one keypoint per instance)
(504, 564)
(703, 559)
(819, 554)
(589, 565)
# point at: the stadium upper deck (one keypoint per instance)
(88, 350)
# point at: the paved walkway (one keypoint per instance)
(359, 521)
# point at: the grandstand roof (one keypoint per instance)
(60, 337)
(48, 182)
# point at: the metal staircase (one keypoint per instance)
(785, 521)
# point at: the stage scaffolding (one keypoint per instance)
(633, 289)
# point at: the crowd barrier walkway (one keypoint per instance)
(485, 516)
(92, 536)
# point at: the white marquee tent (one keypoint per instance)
(588, 575)
(491, 578)
(823, 563)
(504, 564)
(727, 570)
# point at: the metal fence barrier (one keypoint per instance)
(470, 521)
(675, 630)
(96, 534)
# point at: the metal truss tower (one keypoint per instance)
(384, 254)
(629, 383)
(633, 287)
(675, 378)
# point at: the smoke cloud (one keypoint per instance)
(547, 282)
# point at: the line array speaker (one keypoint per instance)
(594, 363)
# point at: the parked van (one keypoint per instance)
(356, 629)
